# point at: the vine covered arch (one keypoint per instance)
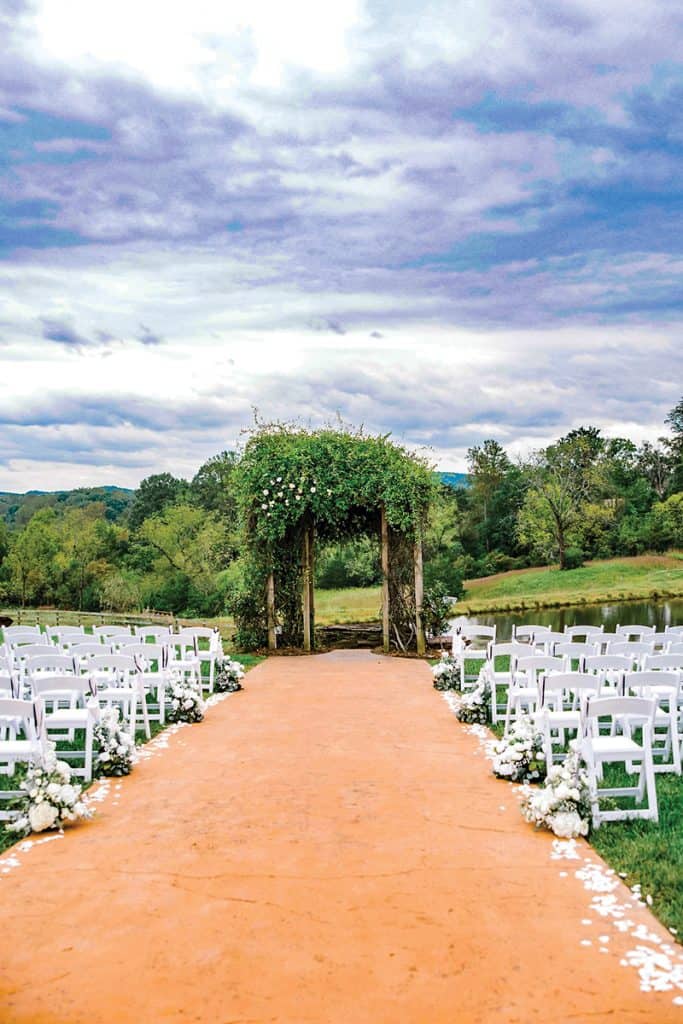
(296, 486)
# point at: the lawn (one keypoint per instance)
(615, 579)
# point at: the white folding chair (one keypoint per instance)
(501, 679)
(157, 634)
(103, 632)
(11, 634)
(562, 697)
(65, 637)
(637, 633)
(82, 653)
(206, 656)
(590, 634)
(574, 652)
(152, 661)
(523, 692)
(634, 649)
(67, 706)
(470, 643)
(525, 634)
(664, 687)
(609, 670)
(118, 683)
(183, 658)
(547, 640)
(22, 736)
(597, 749)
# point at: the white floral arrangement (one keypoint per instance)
(563, 804)
(228, 675)
(519, 756)
(116, 746)
(446, 673)
(51, 799)
(475, 707)
(185, 704)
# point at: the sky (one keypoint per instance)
(445, 220)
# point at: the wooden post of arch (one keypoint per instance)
(307, 558)
(270, 612)
(419, 597)
(384, 529)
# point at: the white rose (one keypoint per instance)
(67, 795)
(566, 824)
(42, 816)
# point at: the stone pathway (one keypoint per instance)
(328, 847)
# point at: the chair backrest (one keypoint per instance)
(639, 710)
(510, 650)
(90, 650)
(28, 714)
(32, 650)
(144, 654)
(55, 663)
(663, 661)
(30, 640)
(10, 632)
(607, 663)
(156, 632)
(105, 631)
(643, 683)
(119, 641)
(60, 687)
(575, 651)
(676, 648)
(539, 665)
(113, 663)
(205, 632)
(586, 631)
(636, 648)
(634, 631)
(674, 632)
(526, 632)
(581, 683)
(476, 633)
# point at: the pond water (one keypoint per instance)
(643, 613)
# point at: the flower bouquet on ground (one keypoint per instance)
(228, 675)
(117, 747)
(475, 707)
(563, 804)
(519, 756)
(185, 702)
(51, 800)
(446, 673)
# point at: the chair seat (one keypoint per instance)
(603, 746)
(16, 749)
(64, 717)
(564, 719)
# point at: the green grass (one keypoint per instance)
(616, 579)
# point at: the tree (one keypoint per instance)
(488, 465)
(560, 478)
(153, 495)
(667, 521)
(31, 558)
(656, 466)
(81, 558)
(212, 487)
(675, 446)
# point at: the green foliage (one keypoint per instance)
(667, 521)
(291, 479)
(573, 558)
(153, 495)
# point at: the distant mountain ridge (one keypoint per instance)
(16, 509)
(453, 479)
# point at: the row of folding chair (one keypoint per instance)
(183, 649)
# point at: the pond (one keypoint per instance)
(629, 613)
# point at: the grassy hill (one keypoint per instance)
(615, 579)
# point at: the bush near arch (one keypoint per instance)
(295, 485)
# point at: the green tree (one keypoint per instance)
(31, 557)
(153, 495)
(675, 446)
(212, 487)
(667, 520)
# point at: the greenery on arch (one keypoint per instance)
(335, 481)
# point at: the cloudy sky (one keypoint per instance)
(449, 220)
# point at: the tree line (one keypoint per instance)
(174, 545)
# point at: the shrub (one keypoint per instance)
(573, 558)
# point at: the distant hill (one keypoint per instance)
(453, 479)
(17, 509)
